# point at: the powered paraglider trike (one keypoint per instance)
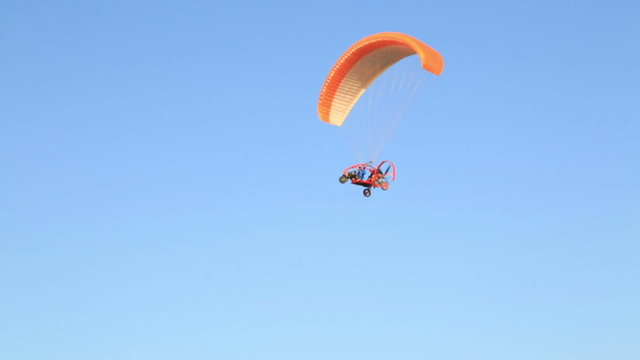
(360, 66)
(370, 177)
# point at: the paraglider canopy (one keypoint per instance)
(362, 63)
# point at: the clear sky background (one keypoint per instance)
(168, 192)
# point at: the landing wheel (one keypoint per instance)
(367, 192)
(343, 179)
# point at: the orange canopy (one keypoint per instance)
(362, 63)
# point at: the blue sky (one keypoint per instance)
(167, 190)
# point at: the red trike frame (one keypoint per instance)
(375, 174)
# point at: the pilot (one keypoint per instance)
(361, 172)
